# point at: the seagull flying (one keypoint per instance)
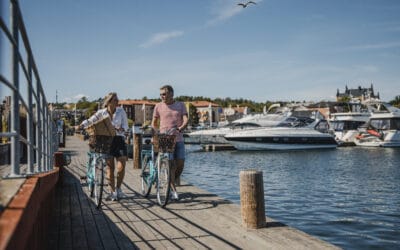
(244, 5)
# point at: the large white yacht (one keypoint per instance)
(300, 133)
(345, 125)
(382, 129)
(274, 116)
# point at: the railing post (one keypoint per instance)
(29, 120)
(15, 123)
(252, 199)
(47, 138)
(38, 128)
(43, 134)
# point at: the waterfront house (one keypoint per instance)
(359, 93)
(139, 111)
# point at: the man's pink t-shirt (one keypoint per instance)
(171, 116)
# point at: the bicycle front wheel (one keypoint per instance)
(98, 182)
(163, 186)
(146, 176)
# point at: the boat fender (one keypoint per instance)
(360, 136)
(374, 133)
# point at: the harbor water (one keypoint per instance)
(348, 196)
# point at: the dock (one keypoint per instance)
(217, 147)
(199, 220)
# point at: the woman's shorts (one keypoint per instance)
(118, 147)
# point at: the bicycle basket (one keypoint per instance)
(101, 135)
(164, 143)
(101, 127)
(100, 143)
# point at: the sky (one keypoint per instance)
(275, 50)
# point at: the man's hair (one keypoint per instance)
(168, 88)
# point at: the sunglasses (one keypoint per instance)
(163, 94)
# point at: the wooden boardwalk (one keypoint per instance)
(199, 220)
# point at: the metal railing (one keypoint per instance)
(40, 137)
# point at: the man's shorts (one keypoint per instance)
(118, 147)
(179, 152)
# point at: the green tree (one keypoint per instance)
(344, 99)
(396, 101)
(193, 117)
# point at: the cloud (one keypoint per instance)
(223, 10)
(159, 38)
(80, 96)
(75, 98)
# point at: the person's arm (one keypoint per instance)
(185, 118)
(156, 119)
(184, 124)
(124, 121)
(155, 123)
(85, 123)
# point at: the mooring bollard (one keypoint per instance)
(58, 159)
(252, 199)
(137, 145)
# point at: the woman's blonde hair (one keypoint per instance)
(108, 98)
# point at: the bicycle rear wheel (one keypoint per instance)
(163, 186)
(98, 182)
(146, 175)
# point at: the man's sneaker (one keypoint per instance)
(174, 195)
(120, 194)
(112, 196)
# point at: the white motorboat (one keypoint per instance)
(216, 136)
(274, 116)
(382, 129)
(345, 124)
(300, 133)
(271, 118)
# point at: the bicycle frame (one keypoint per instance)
(96, 160)
(151, 169)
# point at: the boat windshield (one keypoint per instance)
(345, 125)
(388, 123)
(294, 121)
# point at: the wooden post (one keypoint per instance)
(252, 199)
(137, 145)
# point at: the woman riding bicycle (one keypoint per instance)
(118, 146)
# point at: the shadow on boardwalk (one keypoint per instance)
(127, 224)
(199, 220)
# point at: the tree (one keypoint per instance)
(344, 99)
(193, 117)
(396, 101)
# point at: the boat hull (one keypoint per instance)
(282, 143)
(388, 139)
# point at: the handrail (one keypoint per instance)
(41, 137)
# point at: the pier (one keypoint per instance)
(217, 147)
(199, 220)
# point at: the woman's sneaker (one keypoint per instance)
(174, 195)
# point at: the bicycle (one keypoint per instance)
(155, 170)
(100, 144)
